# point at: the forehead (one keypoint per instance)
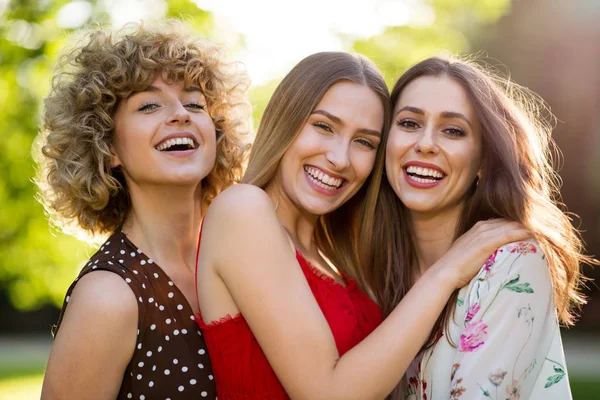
(352, 101)
(436, 94)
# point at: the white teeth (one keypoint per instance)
(422, 180)
(424, 172)
(322, 179)
(176, 141)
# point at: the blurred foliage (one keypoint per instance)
(446, 29)
(37, 266)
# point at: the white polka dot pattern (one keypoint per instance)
(164, 349)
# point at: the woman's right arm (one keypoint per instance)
(95, 341)
(250, 253)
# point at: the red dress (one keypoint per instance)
(240, 367)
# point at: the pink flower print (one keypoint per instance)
(523, 248)
(472, 311)
(497, 377)
(514, 391)
(491, 260)
(473, 336)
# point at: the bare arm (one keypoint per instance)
(269, 289)
(95, 341)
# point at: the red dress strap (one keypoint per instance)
(196, 266)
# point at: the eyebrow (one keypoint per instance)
(444, 114)
(338, 121)
(152, 88)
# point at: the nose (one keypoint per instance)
(179, 115)
(426, 142)
(338, 154)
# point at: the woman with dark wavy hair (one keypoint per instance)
(142, 128)
(465, 147)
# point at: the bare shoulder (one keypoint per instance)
(239, 199)
(242, 217)
(238, 207)
(96, 339)
(101, 297)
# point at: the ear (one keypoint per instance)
(480, 172)
(115, 161)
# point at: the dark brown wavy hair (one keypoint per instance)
(517, 182)
(76, 183)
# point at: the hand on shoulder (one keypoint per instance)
(469, 252)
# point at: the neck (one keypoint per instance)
(434, 235)
(164, 223)
(299, 225)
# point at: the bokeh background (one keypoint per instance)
(550, 46)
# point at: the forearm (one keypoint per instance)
(374, 367)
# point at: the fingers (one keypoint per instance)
(502, 234)
(518, 234)
(495, 224)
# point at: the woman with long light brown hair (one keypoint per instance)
(143, 127)
(282, 309)
(465, 147)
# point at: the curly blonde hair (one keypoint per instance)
(77, 185)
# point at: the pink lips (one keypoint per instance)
(417, 184)
(318, 188)
(180, 153)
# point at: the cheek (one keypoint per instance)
(470, 160)
(394, 151)
(362, 163)
(207, 129)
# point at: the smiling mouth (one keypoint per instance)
(177, 144)
(424, 175)
(323, 180)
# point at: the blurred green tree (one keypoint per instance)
(432, 27)
(36, 264)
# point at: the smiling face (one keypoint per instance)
(433, 153)
(164, 135)
(334, 152)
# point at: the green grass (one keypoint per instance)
(26, 386)
(21, 379)
(585, 389)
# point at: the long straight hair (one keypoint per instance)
(286, 113)
(517, 183)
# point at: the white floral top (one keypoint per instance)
(506, 336)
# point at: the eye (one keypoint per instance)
(454, 132)
(147, 107)
(408, 124)
(323, 126)
(366, 143)
(195, 106)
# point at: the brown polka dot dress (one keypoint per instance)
(170, 360)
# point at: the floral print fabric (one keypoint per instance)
(504, 338)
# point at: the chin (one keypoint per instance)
(319, 208)
(418, 205)
(188, 178)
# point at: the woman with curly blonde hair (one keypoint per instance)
(142, 128)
